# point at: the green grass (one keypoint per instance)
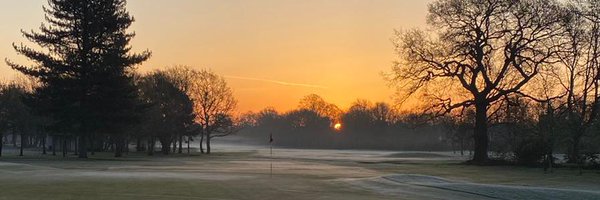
(54, 177)
(241, 175)
(508, 175)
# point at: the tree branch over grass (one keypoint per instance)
(490, 48)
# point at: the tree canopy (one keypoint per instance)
(84, 69)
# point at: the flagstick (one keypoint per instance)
(271, 159)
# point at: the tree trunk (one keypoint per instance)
(462, 147)
(165, 147)
(14, 138)
(107, 146)
(180, 151)
(1, 143)
(573, 156)
(64, 146)
(453, 148)
(151, 146)
(22, 144)
(481, 132)
(82, 147)
(75, 144)
(174, 145)
(208, 143)
(126, 146)
(92, 146)
(69, 143)
(54, 145)
(550, 158)
(44, 144)
(138, 145)
(188, 144)
(201, 143)
(118, 147)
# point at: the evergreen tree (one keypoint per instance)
(85, 70)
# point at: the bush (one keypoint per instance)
(529, 150)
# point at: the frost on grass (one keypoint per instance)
(431, 187)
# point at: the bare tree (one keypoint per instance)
(578, 72)
(481, 51)
(318, 105)
(214, 104)
(382, 112)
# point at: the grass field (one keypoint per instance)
(244, 173)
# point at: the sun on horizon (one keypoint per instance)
(337, 126)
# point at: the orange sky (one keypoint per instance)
(273, 52)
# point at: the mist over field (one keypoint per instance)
(428, 138)
(433, 99)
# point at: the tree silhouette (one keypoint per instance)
(486, 49)
(86, 85)
(182, 77)
(4, 113)
(16, 116)
(170, 114)
(578, 70)
(360, 117)
(213, 105)
(318, 105)
(14, 113)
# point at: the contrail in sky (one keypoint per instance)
(277, 82)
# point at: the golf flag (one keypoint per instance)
(271, 138)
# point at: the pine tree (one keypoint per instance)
(85, 69)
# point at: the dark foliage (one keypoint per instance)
(85, 71)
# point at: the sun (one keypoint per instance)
(337, 126)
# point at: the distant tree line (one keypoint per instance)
(519, 78)
(364, 125)
(83, 93)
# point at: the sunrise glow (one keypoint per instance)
(271, 52)
(337, 127)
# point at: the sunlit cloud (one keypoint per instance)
(278, 82)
